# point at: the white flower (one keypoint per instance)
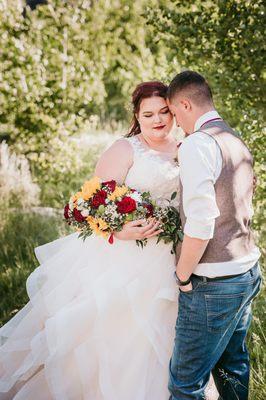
(71, 205)
(136, 196)
(85, 213)
(110, 209)
(80, 201)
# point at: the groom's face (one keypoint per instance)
(181, 109)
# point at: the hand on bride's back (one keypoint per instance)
(138, 230)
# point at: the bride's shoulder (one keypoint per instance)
(115, 161)
(119, 150)
(121, 146)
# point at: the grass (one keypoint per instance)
(21, 232)
(257, 347)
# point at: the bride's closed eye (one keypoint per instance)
(164, 111)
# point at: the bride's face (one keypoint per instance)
(155, 118)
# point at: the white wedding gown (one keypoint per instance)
(100, 322)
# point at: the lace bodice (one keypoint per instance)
(153, 171)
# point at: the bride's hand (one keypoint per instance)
(136, 230)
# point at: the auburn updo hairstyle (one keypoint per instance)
(144, 91)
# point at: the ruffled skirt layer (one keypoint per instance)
(99, 324)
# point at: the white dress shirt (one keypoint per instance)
(200, 162)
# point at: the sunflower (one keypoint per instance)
(90, 188)
(75, 197)
(118, 192)
(98, 226)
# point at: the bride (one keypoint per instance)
(100, 321)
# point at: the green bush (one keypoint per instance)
(71, 169)
(64, 63)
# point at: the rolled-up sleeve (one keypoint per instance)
(198, 169)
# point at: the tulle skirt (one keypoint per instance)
(99, 324)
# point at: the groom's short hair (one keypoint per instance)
(192, 85)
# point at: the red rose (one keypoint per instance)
(78, 216)
(126, 205)
(149, 208)
(66, 210)
(99, 198)
(111, 185)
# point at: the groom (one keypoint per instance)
(217, 270)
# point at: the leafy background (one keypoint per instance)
(67, 70)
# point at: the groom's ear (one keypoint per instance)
(186, 104)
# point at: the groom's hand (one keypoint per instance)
(186, 288)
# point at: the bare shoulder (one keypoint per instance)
(115, 162)
(121, 151)
(121, 145)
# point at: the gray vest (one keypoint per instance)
(232, 238)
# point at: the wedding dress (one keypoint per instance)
(100, 322)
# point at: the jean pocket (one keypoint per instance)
(185, 292)
(195, 285)
(221, 309)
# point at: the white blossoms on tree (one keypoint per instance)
(16, 184)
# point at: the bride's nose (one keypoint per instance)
(157, 118)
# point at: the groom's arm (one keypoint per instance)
(191, 253)
(198, 156)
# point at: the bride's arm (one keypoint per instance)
(114, 164)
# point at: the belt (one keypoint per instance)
(217, 278)
(252, 271)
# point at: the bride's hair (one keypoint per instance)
(143, 91)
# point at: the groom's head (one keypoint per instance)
(189, 96)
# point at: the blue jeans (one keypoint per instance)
(213, 320)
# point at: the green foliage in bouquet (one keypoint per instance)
(172, 227)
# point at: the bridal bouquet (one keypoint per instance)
(104, 207)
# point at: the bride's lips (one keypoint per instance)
(159, 127)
